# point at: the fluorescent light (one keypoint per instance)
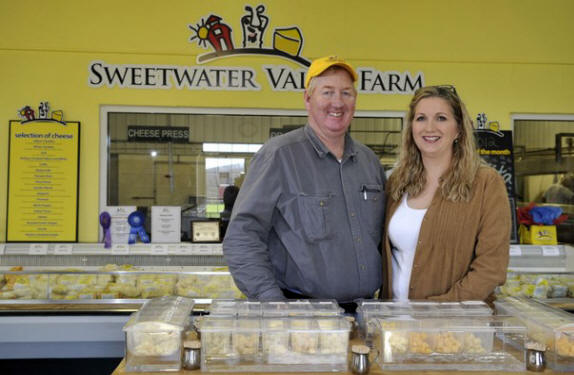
(231, 147)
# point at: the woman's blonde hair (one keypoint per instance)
(456, 183)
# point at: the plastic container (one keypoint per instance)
(154, 334)
(549, 327)
(486, 343)
(216, 338)
(275, 337)
(370, 309)
(274, 344)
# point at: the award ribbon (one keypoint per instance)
(106, 222)
(136, 220)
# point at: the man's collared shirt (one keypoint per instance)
(305, 222)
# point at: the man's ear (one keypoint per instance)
(306, 98)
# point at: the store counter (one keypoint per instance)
(375, 370)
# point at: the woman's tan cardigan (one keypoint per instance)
(463, 247)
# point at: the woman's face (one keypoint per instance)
(434, 127)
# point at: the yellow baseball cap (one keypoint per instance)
(321, 64)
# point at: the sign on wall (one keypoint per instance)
(495, 147)
(158, 134)
(251, 34)
(43, 171)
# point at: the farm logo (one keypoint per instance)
(28, 114)
(212, 32)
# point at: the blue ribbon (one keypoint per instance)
(545, 215)
(136, 220)
(106, 222)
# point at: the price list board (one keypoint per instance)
(43, 173)
(495, 147)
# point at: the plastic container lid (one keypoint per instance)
(423, 308)
(162, 313)
(247, 308)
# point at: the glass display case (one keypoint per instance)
(538, 285)
(93, 275)
(73, 299)
(541, 272)
(43, 287)
(201, 282)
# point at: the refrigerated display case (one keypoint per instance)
(56, 296)
(72, 300)
(541, 272)
(91, 275)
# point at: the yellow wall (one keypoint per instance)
(504, 56)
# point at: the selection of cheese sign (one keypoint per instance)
(43, 180)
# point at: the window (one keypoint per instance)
(544, 165)
(212, 149)
(543, 154)
(220, 173)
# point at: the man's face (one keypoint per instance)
(331, 105)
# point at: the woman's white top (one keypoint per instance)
(404, 229)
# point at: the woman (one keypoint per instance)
(448, 216)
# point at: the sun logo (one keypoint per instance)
(214, 32)
(201, 31)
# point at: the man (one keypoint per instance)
(229, 196)
(561, 192)
(308, 219)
